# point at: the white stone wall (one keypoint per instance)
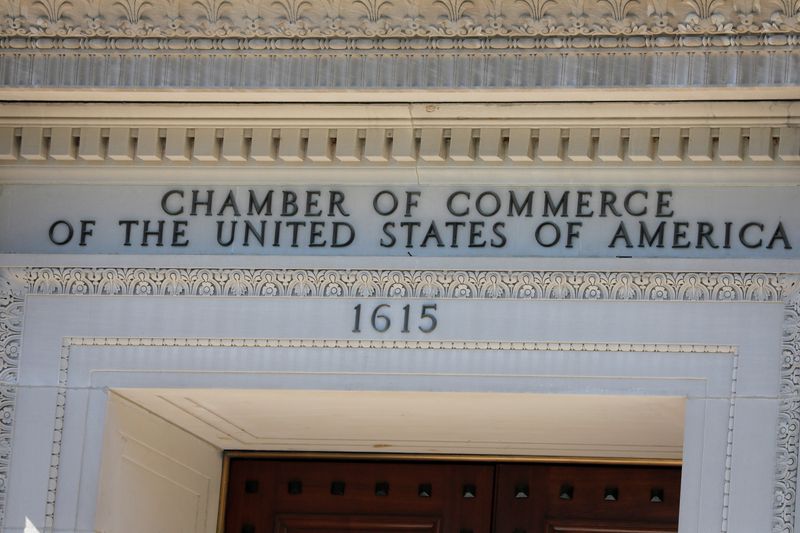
(713, 338)
(659, 93)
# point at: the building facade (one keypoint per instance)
(532, 231)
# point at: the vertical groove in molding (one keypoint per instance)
(670, 144)
(262, 145)
(233, 145)
(520, 145)
(148, 145)
(760, 145)
(348, 145)
(90, 146)
(730, 144)
(206, 147)
(550, 145)
(62, 145)
(699, 149)
(120, 144)
(579, 148)
(290, 147)
(789, 145)
(8, 144)
(609, 145)
(490, 146)
(376, 145)
(431, 146)
(462, 145)
(33, 144)
(177, 147)
(640, 145)
(404, 145)
(319, 149)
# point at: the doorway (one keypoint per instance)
(381, 496)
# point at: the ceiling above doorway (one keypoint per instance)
(622, 427)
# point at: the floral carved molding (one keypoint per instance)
(401, 24)
(392, 44)
(17, 283)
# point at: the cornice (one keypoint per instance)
(392, 44)
(399, 24)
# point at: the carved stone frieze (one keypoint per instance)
(789, 416)
(15, 283)
(399, 44)
(12, 302)
(690, 286)
(396, 24)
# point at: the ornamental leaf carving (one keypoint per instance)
(133, 9)
(455, 10)
(53, 9)
(354, 19)
(292, 9)
(705, 16)
(213, 10)
(537, 9)
(374, 9)
(619, 8)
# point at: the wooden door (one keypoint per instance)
(337, 523)
(536, 498)
(333, 497)
(280, 496)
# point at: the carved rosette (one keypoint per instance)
(15, 283)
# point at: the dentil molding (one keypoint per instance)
(375, 145)
(725, 142)
(17, 283)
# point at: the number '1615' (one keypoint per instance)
(380, 319)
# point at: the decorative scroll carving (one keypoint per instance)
(400, 22)
(789, 415)
(398, 44)
(691, 286)
(688, 286)
(12, 299)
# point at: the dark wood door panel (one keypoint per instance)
(531, 498)
(461, 495)
(607, 493)
(356, 524)
(266, 496)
